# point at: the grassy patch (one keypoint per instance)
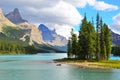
(104, 63)
(109, 64)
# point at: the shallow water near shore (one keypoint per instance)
(42, 67)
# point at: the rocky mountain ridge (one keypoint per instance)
(51, 37)
(15, 17)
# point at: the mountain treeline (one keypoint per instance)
(15, 47)
(93, 42)
(116, 50)
(10, 43)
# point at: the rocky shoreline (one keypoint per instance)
(88, 65)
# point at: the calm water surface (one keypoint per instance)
(41, 67)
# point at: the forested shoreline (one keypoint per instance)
(10, 43)
(93, 42)
(15, 47)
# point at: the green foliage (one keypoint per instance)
(10, 43)
(13, 32)
(15, 47)
(116, 50)
(83, 38)
(91, 41)
(69, 53)
(87, 40)
(91, 44)
(107, 40)
(47, 49)
(97, 37)
(107, 64)
(74, 43)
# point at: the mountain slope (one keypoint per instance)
(35, 34)
(51, 37)
(31, 30)
(4, 21)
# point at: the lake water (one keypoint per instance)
(41, 67)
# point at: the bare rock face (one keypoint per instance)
(51, 37)
(35, 34)
(4, 21)
(15, 17)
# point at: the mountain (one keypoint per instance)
(30, 29)
(33, 32)
(115, 38)
(4, 21)
(51, 37)
(15, 17)
(28, 33)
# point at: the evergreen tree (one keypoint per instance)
(116, 50)
(87, 40)
(91, 44)
(91, 38)
(97, 37)
(83, 39)
(69, 49)
(107, 39)
(102, 42)
(74, 44)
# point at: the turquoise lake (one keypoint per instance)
(41, 67)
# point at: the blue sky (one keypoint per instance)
(105, 14)
(63, 15)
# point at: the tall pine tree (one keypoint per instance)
(74, 44)
(69, 53)
(91, 38)
(97, 37)
(107, 39)
(87, 40)
(102, 42)
(83, 39)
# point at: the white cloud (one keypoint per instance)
(98, 5)
(61, 13)
(77, 3)
(116, 24)
(62, 29)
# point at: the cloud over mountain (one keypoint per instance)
(116, 23)
(59, 14)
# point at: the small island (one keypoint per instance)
(92, 48)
